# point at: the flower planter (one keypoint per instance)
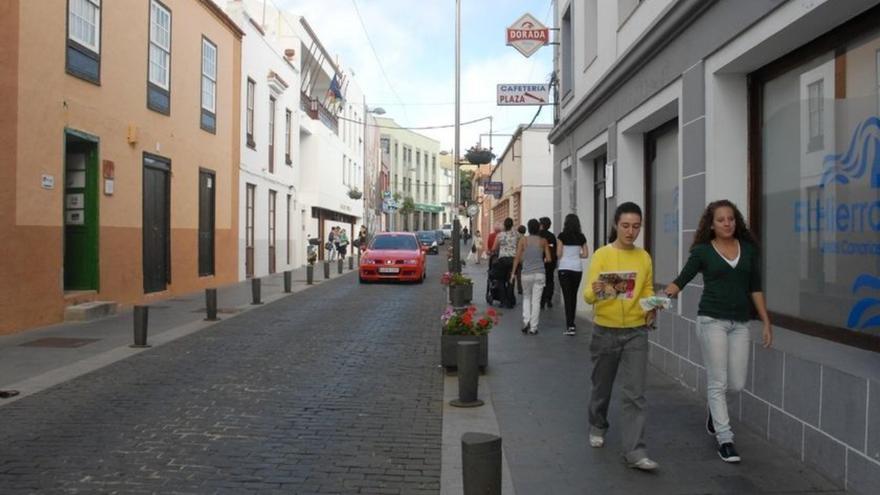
(479, 156)
(461, 295)
(449, 349)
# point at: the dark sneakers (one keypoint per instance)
(710, 426)
(728, 452)
(527, 328)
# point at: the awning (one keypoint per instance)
(429, 208)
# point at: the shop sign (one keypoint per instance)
(523, 94)
(494, 188)
(527, 35)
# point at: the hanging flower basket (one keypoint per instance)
(479, 156)
(355, 193)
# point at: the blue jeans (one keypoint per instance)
(725, 345)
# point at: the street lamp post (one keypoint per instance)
(456, 225)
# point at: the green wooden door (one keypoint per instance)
(81, 215)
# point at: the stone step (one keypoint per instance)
(89, 311)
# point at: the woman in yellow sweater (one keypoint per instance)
(621, 274)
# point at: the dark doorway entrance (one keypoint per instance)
(249, 230)
(80, 212)
(156, 228)
(206, 222)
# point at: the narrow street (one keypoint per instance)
(331, 390)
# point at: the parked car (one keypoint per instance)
(428, 239)
(441, 237)
(393, 256)
(447, 230)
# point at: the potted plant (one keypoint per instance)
(355, 193)
(461, 288)
(479, 156)
(465, 325)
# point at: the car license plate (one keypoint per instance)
(389, 269)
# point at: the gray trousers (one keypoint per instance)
(626, 350)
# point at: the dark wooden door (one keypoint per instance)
(206, 222)
(156, 228)
(249, 231)
(272, 196)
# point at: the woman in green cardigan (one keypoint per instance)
(724, 251)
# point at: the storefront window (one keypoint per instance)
(662, 210)
(819, 203)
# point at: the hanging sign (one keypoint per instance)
(523, 94)
(527, 35)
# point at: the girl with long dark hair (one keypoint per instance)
(725, 252)
(621, 274)
(571, 249)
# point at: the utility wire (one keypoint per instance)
(444, 126)
(376, 56)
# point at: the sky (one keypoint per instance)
(414, 42)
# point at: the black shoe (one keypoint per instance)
(542, 306)
(710, 425)
(527, 328)
(549, 304)
(728, 452)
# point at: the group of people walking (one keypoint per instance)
(338, 242)
(619, 285)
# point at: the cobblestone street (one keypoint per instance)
(331, 390)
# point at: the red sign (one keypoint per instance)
(527, 35)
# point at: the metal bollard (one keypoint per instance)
(211, 304)
(339, 266)
(310, 274)
(255, 291)
(288, 281)
(351, 262)
(326, 269)
(141, 319)
(468, 375)
(481, 463)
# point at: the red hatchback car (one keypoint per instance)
(393, 256)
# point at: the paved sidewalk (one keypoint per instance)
(30, 369)
(539, 388)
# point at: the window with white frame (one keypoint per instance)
(288, 118)
(249, 120)
(159, 97)
(84, 39)
(209, 85)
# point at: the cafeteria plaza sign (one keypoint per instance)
(527, 35)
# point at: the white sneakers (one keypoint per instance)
(596, 441)
(644, 464)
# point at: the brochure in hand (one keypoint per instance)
(617, 285)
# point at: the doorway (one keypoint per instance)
(157, 223)
(206, 222)
(250, 194)
(80, 212)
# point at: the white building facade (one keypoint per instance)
(270, 228)
(773, 105)
(525, 171)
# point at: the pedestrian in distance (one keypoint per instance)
(532, 252)
(571, 250)
(725, 252)
(330, 246)
(343, 243)
(521, 231)
(477, 247)
(362, 238)
(506, 243)
(549, 266)
(620, 335)
(465, 235)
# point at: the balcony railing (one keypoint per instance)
(317, 111)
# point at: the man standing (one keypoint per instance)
(550, 266)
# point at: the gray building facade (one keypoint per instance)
(773, 105)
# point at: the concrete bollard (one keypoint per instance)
(339, 266)
(310, 274)
(211, 304)
(255, 291)
(351, 262)
(326, 269)
(141, 320)
(481, 463)
(468, 354)
(288, 281)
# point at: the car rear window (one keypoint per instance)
(429, 236)
(403, 242)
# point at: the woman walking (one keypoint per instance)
(477, 247)
(506, 243)
(571, 250)
(531, 254)
(620, 334)
(724, 251)
(343, 244)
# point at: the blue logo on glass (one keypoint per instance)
(857, 313)
(864, 145)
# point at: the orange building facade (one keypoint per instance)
(119, 149)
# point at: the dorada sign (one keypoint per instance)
(527, 34)
(523, 94)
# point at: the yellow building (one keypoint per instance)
(119, 153)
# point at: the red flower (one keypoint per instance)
(491, 312)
